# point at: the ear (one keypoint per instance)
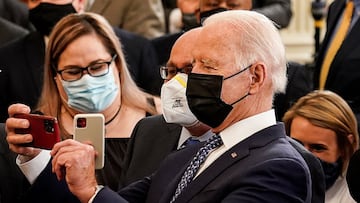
(258, 75)
(351, 138)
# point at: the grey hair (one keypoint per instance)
(258, 40)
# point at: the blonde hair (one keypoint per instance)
(328, 110)
(64, 33)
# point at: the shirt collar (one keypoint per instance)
(185, 134)
(247, 127)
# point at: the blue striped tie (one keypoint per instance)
(213, 143)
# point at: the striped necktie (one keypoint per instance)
(336, 43)
(200, 157)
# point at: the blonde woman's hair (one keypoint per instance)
(67, 30)
(328, 110)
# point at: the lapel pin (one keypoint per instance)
(233, 155)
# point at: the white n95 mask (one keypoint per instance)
(174, 104)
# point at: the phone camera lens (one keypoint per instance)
(81, 122)
(49, 126)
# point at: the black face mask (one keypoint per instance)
(206, 14)
(203, 94)
(332, 172)
(46, 15)
(189, 21)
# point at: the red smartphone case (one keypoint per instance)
(44, 129)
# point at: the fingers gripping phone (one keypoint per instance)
(44, 130)
(91, 127)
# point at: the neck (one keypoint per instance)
(198, 129)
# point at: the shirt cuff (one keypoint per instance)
(32, 168)
(98, 188)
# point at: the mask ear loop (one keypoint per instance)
(248, 93)
(238, 72)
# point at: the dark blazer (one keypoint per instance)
(163, 46)
(10, 31)
(21, 68)
(151, 141)
(12, 181)
(299, 84)
(316, 171)
(262, 168)
(344, 74)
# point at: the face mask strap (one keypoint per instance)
(243, 97)
(238, 72)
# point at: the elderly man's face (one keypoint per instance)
(216, 55)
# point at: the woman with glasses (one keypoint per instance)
(85, 72)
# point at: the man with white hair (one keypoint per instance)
(239, 64)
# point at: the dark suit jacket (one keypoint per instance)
(21, 65)
(10, 31)
(151, 141)
(316, 171)
(163, 46)
(12, 181)
(299, 84)
(262, 168)
(344, 74)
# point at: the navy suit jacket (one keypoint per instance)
(344, 73)
(22, 61)
(262, 168)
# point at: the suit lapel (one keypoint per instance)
(230, 157)
(100, 6)
(187, 155)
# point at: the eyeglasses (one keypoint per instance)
(168, 72)
(94, 70)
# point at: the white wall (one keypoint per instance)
(299, 36)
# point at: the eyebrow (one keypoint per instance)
(171, 64)
(89, 64)
(208, 62)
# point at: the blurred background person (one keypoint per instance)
(27, 54)
(155, 137)
(83, 77)
(143, 17)
(337, 63)
(278, 11)
(324, 123)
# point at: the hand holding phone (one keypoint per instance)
(91, 127)
(44, 130)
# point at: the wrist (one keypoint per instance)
(97, 190)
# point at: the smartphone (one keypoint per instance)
(91, 127)
(44, 130)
